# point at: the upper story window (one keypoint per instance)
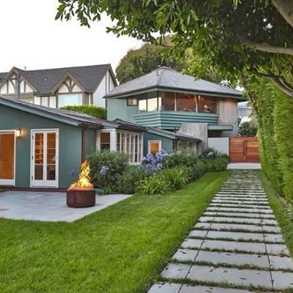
(142, 105)
(207, 105)
(69, 100)
(46, 101)
(132, 102)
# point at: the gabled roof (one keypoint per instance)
(165, 78)
(46, 80)
(69, 117)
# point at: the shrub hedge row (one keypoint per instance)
(91, 110)
(111, 172)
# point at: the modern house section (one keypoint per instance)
(166, 99)
(60, 87)
(42, 147)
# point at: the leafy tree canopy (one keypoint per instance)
(144, 60)
(150, 56)
(237, 36)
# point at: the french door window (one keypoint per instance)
(44, 158)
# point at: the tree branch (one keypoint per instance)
(264, 47)
(277, 80)
(285, 8)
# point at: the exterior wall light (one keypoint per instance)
(19, 132)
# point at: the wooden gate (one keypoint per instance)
(244, 149)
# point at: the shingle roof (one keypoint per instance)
(166, 78)
(68, 117)
(46, 80)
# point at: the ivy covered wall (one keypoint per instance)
(274, 112)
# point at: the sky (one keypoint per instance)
(32, 39)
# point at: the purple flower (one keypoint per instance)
(104, 170)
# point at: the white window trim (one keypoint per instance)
(10, 182)
(154, 141)
(44, 183)
(113, 143)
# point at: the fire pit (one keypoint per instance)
(81, 194)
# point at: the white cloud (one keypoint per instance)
(30, 37)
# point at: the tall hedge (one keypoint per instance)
(275, 121)
(284, 136)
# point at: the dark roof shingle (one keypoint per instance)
(45, 80)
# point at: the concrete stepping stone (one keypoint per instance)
(204, 289)
(237, 227)
(233, 236)
(273, 238)
(239, 205)
(238, 220)
(185, 255)
(233, 259)
(175, 271)
(165, 288)
(249, 211)
(192, 243)
(281, 263)
(277, 249)
(232, 246)
(239, 215)
(227, 199)
(176, 288)
(282, 280)
(230, 276)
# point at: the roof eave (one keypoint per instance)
(179, 90)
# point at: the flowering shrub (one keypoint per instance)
(153, 163)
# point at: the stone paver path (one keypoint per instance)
(236, 247)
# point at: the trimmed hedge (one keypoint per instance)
(91, 110)
(275, 125)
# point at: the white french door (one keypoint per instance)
(44, 158)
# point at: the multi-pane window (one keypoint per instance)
(105, 141)
(207, 105)
(132, 102)
(130, 143)
(46, 101)
(142, 105)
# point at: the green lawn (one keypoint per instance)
(283, 212)
(121, 249)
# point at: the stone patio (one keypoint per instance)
(236, 247)
(48, 206)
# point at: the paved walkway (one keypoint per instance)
(48, 206)
(236, 247)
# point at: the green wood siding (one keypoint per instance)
(118, 109)
(173, 120)
(70, 141)
(167, 143)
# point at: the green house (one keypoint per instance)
(167, 100)
(42, 147)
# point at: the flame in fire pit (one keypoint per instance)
(84, 177)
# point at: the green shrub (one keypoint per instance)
(177, 177)
(180, 159)
(155, 184)
(247, 129)
(91, 110)
(131, 178)
(165, 180)
(106, 169)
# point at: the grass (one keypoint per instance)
(121, 249)
(282, 210)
